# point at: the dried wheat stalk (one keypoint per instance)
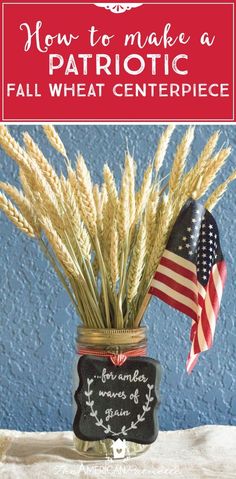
(151, 220)
(12, 147)
(35, 153)
(144, 192)
(219, 192)
(180, 157)
(72, 220)
(130, 173)
(136, 264)
(162, 147)
(211, 170)
(123, 211)
(15, 216)
(23, 204)
(110, 186)
(109, 209)
(98, 200)
(54, 139)
(192, 177)
(85, 199)
(59, 248)
(114, 251)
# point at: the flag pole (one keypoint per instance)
(142, 310)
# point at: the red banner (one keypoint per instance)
(156, 61)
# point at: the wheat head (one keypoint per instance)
(110, 186)
(162, 147)
(219, 192)
(180, 157)
(143, 194)
(136, 264)
(22, 203)
(108, 217)
(85, 197)
(192, 177)
(47, 202)
(35, 153)
(130, 173)
(54, 139)
(59, 248)
(12, 147)
(16, 216)
(114, 250)
(98, 200)
(210, 172)
(151, 220)
(72, 221)
(123, 211)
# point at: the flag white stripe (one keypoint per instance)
(217, 281)
(190, 361)
(179, 260)
(201, 290)
(201, 337)
(178, 278)
(175, 295)
(210, 314)
(192, 347)
(199, 311)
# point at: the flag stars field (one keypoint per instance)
(189, 278)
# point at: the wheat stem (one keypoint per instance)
(58, 272)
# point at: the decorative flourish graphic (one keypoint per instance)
(118, 7)
(124, 429)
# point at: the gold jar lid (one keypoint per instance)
(110, 336)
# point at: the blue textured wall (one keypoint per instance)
(38, 323)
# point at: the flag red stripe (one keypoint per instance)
(173, 302)
(176, 286)
(194, 339)
(213, 297)
(201, 300)
(215, 302)
(193, 331)
(177, 268)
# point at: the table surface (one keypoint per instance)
(203, 452)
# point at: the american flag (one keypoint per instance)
(191, 274)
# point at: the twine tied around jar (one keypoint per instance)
(115, 344)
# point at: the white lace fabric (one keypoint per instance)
(201, 453)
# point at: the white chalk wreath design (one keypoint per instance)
(124, 430)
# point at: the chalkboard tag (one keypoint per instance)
(117, 402)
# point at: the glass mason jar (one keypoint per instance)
(114, 341)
